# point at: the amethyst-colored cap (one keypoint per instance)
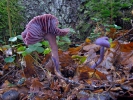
(103, 41)
(39, 26)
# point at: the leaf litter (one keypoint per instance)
(33, 77)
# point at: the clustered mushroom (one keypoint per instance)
(45, 27)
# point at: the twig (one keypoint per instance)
(124, 34)
(40, 66)
(7, 74)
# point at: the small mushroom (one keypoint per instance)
(103, 42)
(45, 27)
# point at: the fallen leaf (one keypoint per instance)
(36, 86)
(74, 51)
(65, 59)
(126, 59)
(126, 47)
(87, 72)
(29, 69)
(7, 84)
(87, 41)
(112, 33)
(6, 66)
(91, 46)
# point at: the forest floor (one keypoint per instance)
(33, 77)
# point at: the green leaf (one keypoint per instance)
(13, 39)
(6, 46)
(19, 37)
(47, 51)
(45, 43)
(11, 85)
(1, 41)
(65, 39)
(24, 53)
(21, 48)
(37, 44)
(81, 59)
(110, 40)
(9, 59)
(95, 19)
(117, 27)
(20, 52)
(72, 30)
(32, 47)
(40, 49)
(60, 43)
(28, 50)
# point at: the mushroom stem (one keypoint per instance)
(56, 68)
(53, 45)
(54, 51)
(100, 59)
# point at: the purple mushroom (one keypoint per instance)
(45, 27)
(103, 42)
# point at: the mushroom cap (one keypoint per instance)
(39, 26)
(103, 41)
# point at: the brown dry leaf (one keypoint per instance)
(98, 91)
(28, 82)
(126, 47)
(91, 54)
(5, 84)
(111, 55)
(89, 81)
(123, 47)
(108, 59)
(126, 59)
(123, 53)
(67, 88)
(65, 58)
(36, 86)
(91, 57)
(46, 58)
(120, 81)
(20, 73)
(40, 98)
(91, 46)
(55, 85)
(29, 71)
(115, 89)
(111, 33)
(121, 33)
(6, 67)
(74, 51)
(86, 72)
(49, 66)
